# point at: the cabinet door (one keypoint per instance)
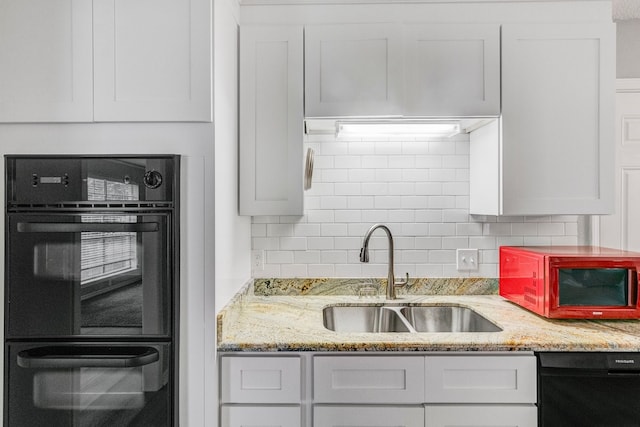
(264, 416)
(481, 415)
(271, 103)
(452, 70)
(152, 60)
(368, 416)
(260, 380)
(557, 115)
(371, 379)
(45, 61)
(480, 379)
(353, 70)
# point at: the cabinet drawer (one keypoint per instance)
(480, 379)
(481, 415)
(368, 416)
(383, 379)
(260, 380)
(256, 416)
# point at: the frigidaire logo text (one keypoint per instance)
(627, 361)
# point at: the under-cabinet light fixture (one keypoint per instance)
(416, 129)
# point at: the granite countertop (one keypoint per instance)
(286, 315)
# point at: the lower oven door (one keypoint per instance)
(98, 274)
(98, 385)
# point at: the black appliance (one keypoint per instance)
(91, 291)
(588, 389)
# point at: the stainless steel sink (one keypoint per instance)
(364, 318)
(405, 318)
(447, 319)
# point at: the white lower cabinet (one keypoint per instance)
(481, 415)
(368, 416)
(378, 390)
(260, 416)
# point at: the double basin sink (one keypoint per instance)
(405, 318)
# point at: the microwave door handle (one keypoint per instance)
(79, 227)
(62, 357)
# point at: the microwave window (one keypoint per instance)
(593, 286)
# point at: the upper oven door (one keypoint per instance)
(88, 274)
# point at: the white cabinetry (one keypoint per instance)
(247, 384)
(152, 60)
(45, 61)
(271, 117)
(467, 390)
(353, 70)
(481, 415)
(368, 416)
(378, 390)
(257, 416)
(552, 151)
(375, 379)
(480, 379)
(106, 60)
(452, 70)
(428, 70)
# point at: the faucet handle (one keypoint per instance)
(402, 282)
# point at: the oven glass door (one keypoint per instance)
(101, 385)
(89, 274)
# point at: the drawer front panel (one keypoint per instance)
(250, 416)
(260, 380)
(481, 415)
(368, 416)
(481, 379)
(383, 379)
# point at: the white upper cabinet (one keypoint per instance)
(152, 60)
(554, 148)
(106, 60)
(45, 61)
(271, 117)
(452, 70)
(353, 70)
(428, 70)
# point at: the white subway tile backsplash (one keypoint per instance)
(294, 270)
(336, 230)
(419, 188)
(348, 216)
(279, 230)
(551, 229)
(279, 257)
(293, 243)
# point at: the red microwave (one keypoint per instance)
(570, 282)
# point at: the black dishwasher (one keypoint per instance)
(588, 389)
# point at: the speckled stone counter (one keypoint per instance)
(286, 315)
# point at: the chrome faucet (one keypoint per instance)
(364, 257)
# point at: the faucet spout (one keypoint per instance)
(364, 257)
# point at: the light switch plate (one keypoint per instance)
(467, 259)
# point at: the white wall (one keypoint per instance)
(233, 232)
(420, 189)
(628, 49)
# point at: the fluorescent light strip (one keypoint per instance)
(399, 128)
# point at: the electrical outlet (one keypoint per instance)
(467, 259)
(257, 260)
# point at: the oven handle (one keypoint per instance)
(61, 357)
(79, 227)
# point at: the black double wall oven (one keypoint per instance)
(91, 291)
